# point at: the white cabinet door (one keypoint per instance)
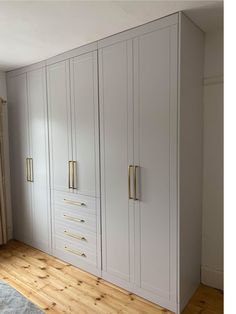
(39, 153)
(155, 103)
(84, 96)
(58, 79)
(19, 151)
(115, 82)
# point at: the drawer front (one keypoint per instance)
(75, 202)
(80, 235)
(73, 249)
(80, 219)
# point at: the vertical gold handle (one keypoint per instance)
(31, 170)
(27, 169)
(69, 177)
(129, 190)
(73, 174)
(135, 183)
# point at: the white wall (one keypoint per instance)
(3, 94)
(212, 235)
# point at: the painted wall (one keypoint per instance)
(212, 233)
(3, 94)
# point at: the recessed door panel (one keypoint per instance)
(115, 70)
(84, 88)
(59, 124)
(153, 140)
(19, 151)
(39, 152)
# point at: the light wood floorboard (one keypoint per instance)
(58, 287)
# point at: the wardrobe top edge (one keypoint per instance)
(124, 35)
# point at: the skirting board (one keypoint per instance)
(212, 278)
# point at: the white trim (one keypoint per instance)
(163, 302)
(26, 69)
(140, 30)
(211, 277)
(72, 53)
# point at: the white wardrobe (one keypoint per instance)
(112, 132)
(74, 159)
(28, 132)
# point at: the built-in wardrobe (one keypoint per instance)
(106, 159)
(29, 164)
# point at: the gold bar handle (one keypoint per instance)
(74, 202)
(76, 236)
(129, 174)
(135, 183)
(69, 177)
(73, 174)
(27, 170)
(31, 170)
(75, 252)
(74, 218)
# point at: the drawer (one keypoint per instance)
(74, 250)
(78, 234)
(75, 201)
(76, 219)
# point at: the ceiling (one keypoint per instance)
(31, 31)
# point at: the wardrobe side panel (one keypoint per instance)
(190, 156)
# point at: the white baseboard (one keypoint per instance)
(212, 278)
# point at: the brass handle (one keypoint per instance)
(27, 170)
(74, 218)
(31, 170)
(75, 252)
(129, 190)
(69, 177)
(73, 174)
(135, 183)
(74, 202)
(76, 236)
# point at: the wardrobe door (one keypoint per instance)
(59, 125)
(84, 91)
(155, 83)
(115, 83)
(38, 135)
(19, 152)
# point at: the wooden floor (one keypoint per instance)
(57, 287)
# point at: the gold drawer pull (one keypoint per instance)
(74, 202)
(75, 252)
(76, 236)
(74, 219)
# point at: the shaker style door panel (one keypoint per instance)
(115, 70)
(84, 97)
(59, 124)
(39, 153)
(154, 84)
(19, 151)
